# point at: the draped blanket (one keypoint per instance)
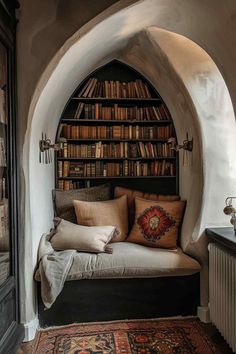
(53, 269)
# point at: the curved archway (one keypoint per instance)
(194, 105)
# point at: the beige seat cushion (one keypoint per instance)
(130, 260)
(111, 212)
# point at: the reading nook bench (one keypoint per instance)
(134, 281)
(139, 272)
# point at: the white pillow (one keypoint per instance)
(82, 238)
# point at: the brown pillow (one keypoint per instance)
(63, 200)
(132, 194)
(157, 223)
(82, 238)
(111, 212)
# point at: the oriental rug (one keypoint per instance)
(179, 336)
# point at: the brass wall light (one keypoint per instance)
(186, 145)
(45, 146)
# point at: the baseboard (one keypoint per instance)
(30, 329)
(203, 314)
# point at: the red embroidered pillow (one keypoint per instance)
(156, 223)
(132, 194)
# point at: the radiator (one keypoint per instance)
(222, 286)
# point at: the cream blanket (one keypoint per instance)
(53, 269)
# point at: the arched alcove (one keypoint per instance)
(196, 95)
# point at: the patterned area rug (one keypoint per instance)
(182, 336)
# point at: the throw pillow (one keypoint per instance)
(63, 200)
(157, 223)
(111, 212)
(132, 194)
(82, 238)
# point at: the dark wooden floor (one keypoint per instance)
(26, 348)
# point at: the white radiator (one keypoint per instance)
(222, 286)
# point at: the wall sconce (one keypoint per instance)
(229, 209)
(186, 145)
(45, 146)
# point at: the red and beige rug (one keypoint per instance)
(179, 336)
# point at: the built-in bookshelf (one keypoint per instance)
(4, 212)
(115, 128)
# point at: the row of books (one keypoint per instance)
(69, 131)
(117, 150)
(69, 184)
(98, 111)
(115, 89)
(113, 169)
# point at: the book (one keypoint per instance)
(79, 110)
(4, 225)
(59, 169)
(80, 94)
(92, 88)
(65, 168)
(3, 117)
(89, 87)
(3, 161)
(4, 266)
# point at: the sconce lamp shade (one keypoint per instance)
(230, 210)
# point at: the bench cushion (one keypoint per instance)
(130, 260)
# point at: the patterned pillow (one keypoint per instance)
(157, 223)
(132, 194)
(63, 200)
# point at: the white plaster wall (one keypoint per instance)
(91, 47)
(212, 123)
(195, 92)
(156, 53)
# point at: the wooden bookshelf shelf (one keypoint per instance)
(113, 121)
(134, 101)
(113, 177)
(114, 158)
(73, 141)
(138, 126)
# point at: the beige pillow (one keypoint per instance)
(132, 194)
(63, 200)
(110, 212)
(157, 223)
(82, 238)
